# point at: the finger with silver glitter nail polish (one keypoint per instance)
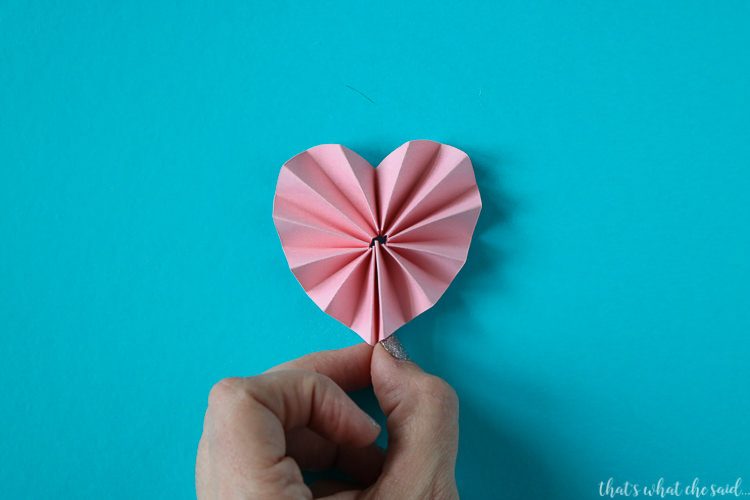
(395, 348)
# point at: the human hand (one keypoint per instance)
(260, 432)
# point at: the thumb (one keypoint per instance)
(422, 420)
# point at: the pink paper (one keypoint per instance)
(374, 248)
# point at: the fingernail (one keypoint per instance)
(394, 347)
(374, 423)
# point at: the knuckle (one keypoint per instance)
(335, 412)
(308, 381)
(316, 381)
(439, 391)
(285, 480)
(313, 360)
(324, 392)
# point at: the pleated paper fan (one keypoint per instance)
(376, 247)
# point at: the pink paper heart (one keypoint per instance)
(376, 247)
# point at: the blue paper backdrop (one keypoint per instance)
(599, 329)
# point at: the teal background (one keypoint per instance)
(601, 324)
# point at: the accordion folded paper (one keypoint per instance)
(375, 247)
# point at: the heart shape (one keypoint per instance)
(376, 247)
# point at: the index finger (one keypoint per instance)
(348, 367)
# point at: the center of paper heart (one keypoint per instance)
(380, 239)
